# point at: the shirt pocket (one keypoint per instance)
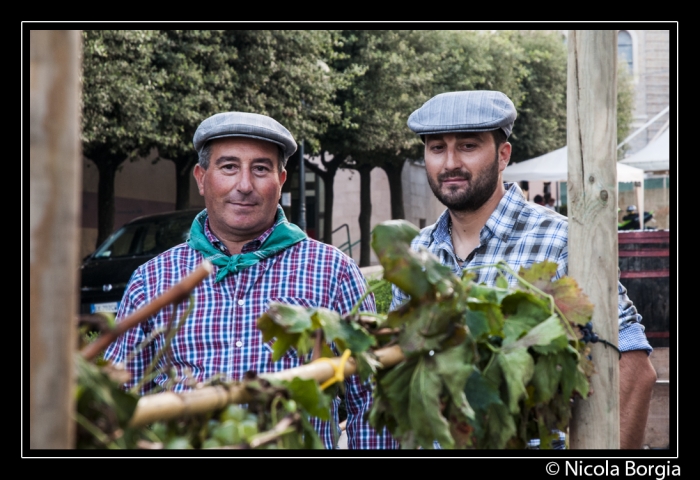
(295, 301)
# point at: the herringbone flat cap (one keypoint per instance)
(242, 124)
(467, 111)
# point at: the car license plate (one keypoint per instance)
(110, 307)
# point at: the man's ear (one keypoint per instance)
(198, 173)
(504, 152)
(283, 176)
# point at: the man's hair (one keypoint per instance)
(538, 198)
(205, 156)
(499, 137)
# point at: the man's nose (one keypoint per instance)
(452, 161)
(245, 184)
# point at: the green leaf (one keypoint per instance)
(568, 296)
(546, 376)
(345, 334)
(517, 366)
(427, 421)
(455, 366)
(308, 394)
(500, 427)
(542, 334)
(523, 310)
(481, 392)
(392, 400)
(391, 241)
(289, 325)
(491, 313)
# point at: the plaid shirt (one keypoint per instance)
(220, 335)
(522, 234)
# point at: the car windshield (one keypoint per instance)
(150, 238)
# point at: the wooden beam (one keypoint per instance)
(54, 218)
(592, 212)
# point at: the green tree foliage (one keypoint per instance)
(119, 107)
(280, 73)
(390, 71)
(541, 123)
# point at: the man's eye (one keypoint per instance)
(260, 169)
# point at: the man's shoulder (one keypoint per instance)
(181, 255)
(536, 219)
(326, 252)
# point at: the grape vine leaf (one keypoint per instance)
(568, 296)
(425, 406)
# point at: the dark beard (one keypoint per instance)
(474, 196)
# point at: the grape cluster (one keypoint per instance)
(589, 336)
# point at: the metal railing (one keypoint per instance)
(347, 246)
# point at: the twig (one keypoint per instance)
(285, 426)
(175, 294)
(170, 334)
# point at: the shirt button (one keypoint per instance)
(239, 344)
(240, 302)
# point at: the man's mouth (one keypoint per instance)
(453, 181)
(243, 204)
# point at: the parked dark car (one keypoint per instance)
(106, 271)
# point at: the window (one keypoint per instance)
(624, 50)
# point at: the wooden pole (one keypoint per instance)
(54, 217)
(168, 405)
(592, 212)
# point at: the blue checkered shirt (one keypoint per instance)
(220, 336)
(522, 234)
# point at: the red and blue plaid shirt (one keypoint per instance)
(220, 336)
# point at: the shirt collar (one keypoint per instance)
(251, 246)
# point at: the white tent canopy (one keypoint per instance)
(553, 167)
(654, 157)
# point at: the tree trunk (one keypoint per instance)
(328, 193)
(365, 214)
(183, 174)
(328, 177)
(393, 173)
(107, 169)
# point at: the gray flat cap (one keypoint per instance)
(242, 124)
(468, 111)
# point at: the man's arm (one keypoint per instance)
(637, 374)
(637, 378)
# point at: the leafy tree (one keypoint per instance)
(119, 107)
(389, 73)
(541, 123)
(283, 74)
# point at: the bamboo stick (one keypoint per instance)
(169, 405)
(175, 294)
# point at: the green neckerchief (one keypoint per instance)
(284, 235)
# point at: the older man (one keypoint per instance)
(259, 258)
(486, 220)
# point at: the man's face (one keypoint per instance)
(464, 168)
(241, 187)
